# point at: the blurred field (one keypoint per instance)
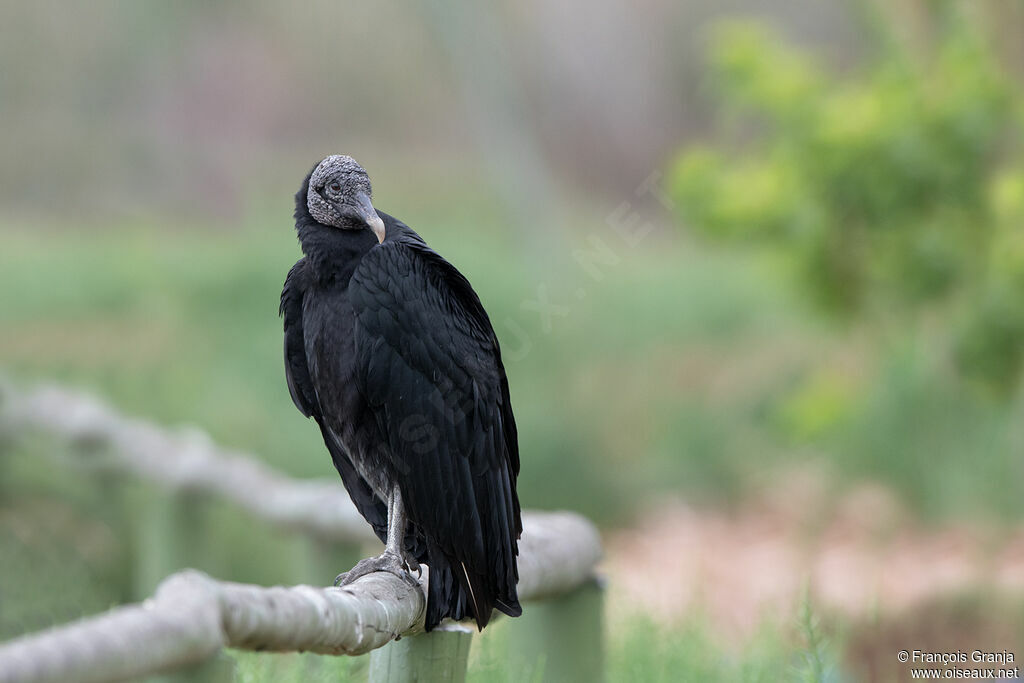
(793, 407)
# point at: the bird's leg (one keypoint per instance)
(397, 522)
(394, 559)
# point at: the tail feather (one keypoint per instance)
(457, 592)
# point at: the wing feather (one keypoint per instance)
(300, 385)
(430, 367)
(304, 395)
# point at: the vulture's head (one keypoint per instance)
(339, 196)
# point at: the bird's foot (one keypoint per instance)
(386, 562)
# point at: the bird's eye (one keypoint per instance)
(335, 186)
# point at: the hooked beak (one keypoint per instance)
(368, 215)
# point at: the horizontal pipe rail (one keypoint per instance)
(186, 460)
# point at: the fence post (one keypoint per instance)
(165, 538)
(440, 656)
(316, 561)
(560, 640)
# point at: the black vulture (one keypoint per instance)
(389, 349)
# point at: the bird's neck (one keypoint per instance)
(333, 253)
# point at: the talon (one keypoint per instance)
(412, 564)
(387, 562)
(415, 567)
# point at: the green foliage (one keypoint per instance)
(895, 191)
(821, 403)
(816, 661)
(258, 667)
(689, 651)
(947, 456)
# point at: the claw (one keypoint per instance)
(412, 564)
(386, 562)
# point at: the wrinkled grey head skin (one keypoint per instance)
(334, 186)
(339, 196)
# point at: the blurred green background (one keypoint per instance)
(722, 244)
